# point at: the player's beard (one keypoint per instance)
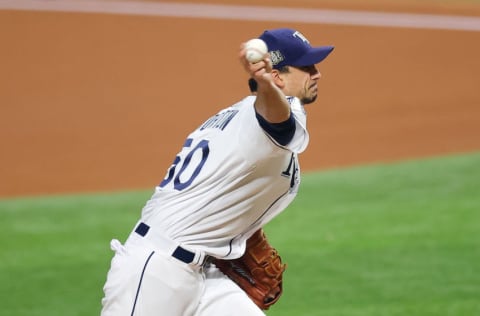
(310, 95)
(308, 100)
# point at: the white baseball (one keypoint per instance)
(255, 50)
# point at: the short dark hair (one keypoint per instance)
(284, 69)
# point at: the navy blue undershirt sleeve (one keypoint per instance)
(282, 132)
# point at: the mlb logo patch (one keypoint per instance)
(276, 57)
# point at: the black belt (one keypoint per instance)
(180, 253)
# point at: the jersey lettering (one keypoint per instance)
(219, 120)
(177, 162)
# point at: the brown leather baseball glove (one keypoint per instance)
(258, 272)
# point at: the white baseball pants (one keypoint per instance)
(146, 281)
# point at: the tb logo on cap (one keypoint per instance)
(299, 35)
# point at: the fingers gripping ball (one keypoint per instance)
(255, 49)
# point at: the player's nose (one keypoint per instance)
(315, 73)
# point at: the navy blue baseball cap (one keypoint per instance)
(288, 47)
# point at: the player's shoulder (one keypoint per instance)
(226, 116)
(245, 102)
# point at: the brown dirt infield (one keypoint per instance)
(94, 102)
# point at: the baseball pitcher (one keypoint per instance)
(198, 247)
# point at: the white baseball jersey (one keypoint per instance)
(229, 179)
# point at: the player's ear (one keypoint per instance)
(277, 79)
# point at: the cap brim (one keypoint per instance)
(313, 56)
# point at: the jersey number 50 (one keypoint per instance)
(172, 173)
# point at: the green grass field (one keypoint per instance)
(396, 239)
